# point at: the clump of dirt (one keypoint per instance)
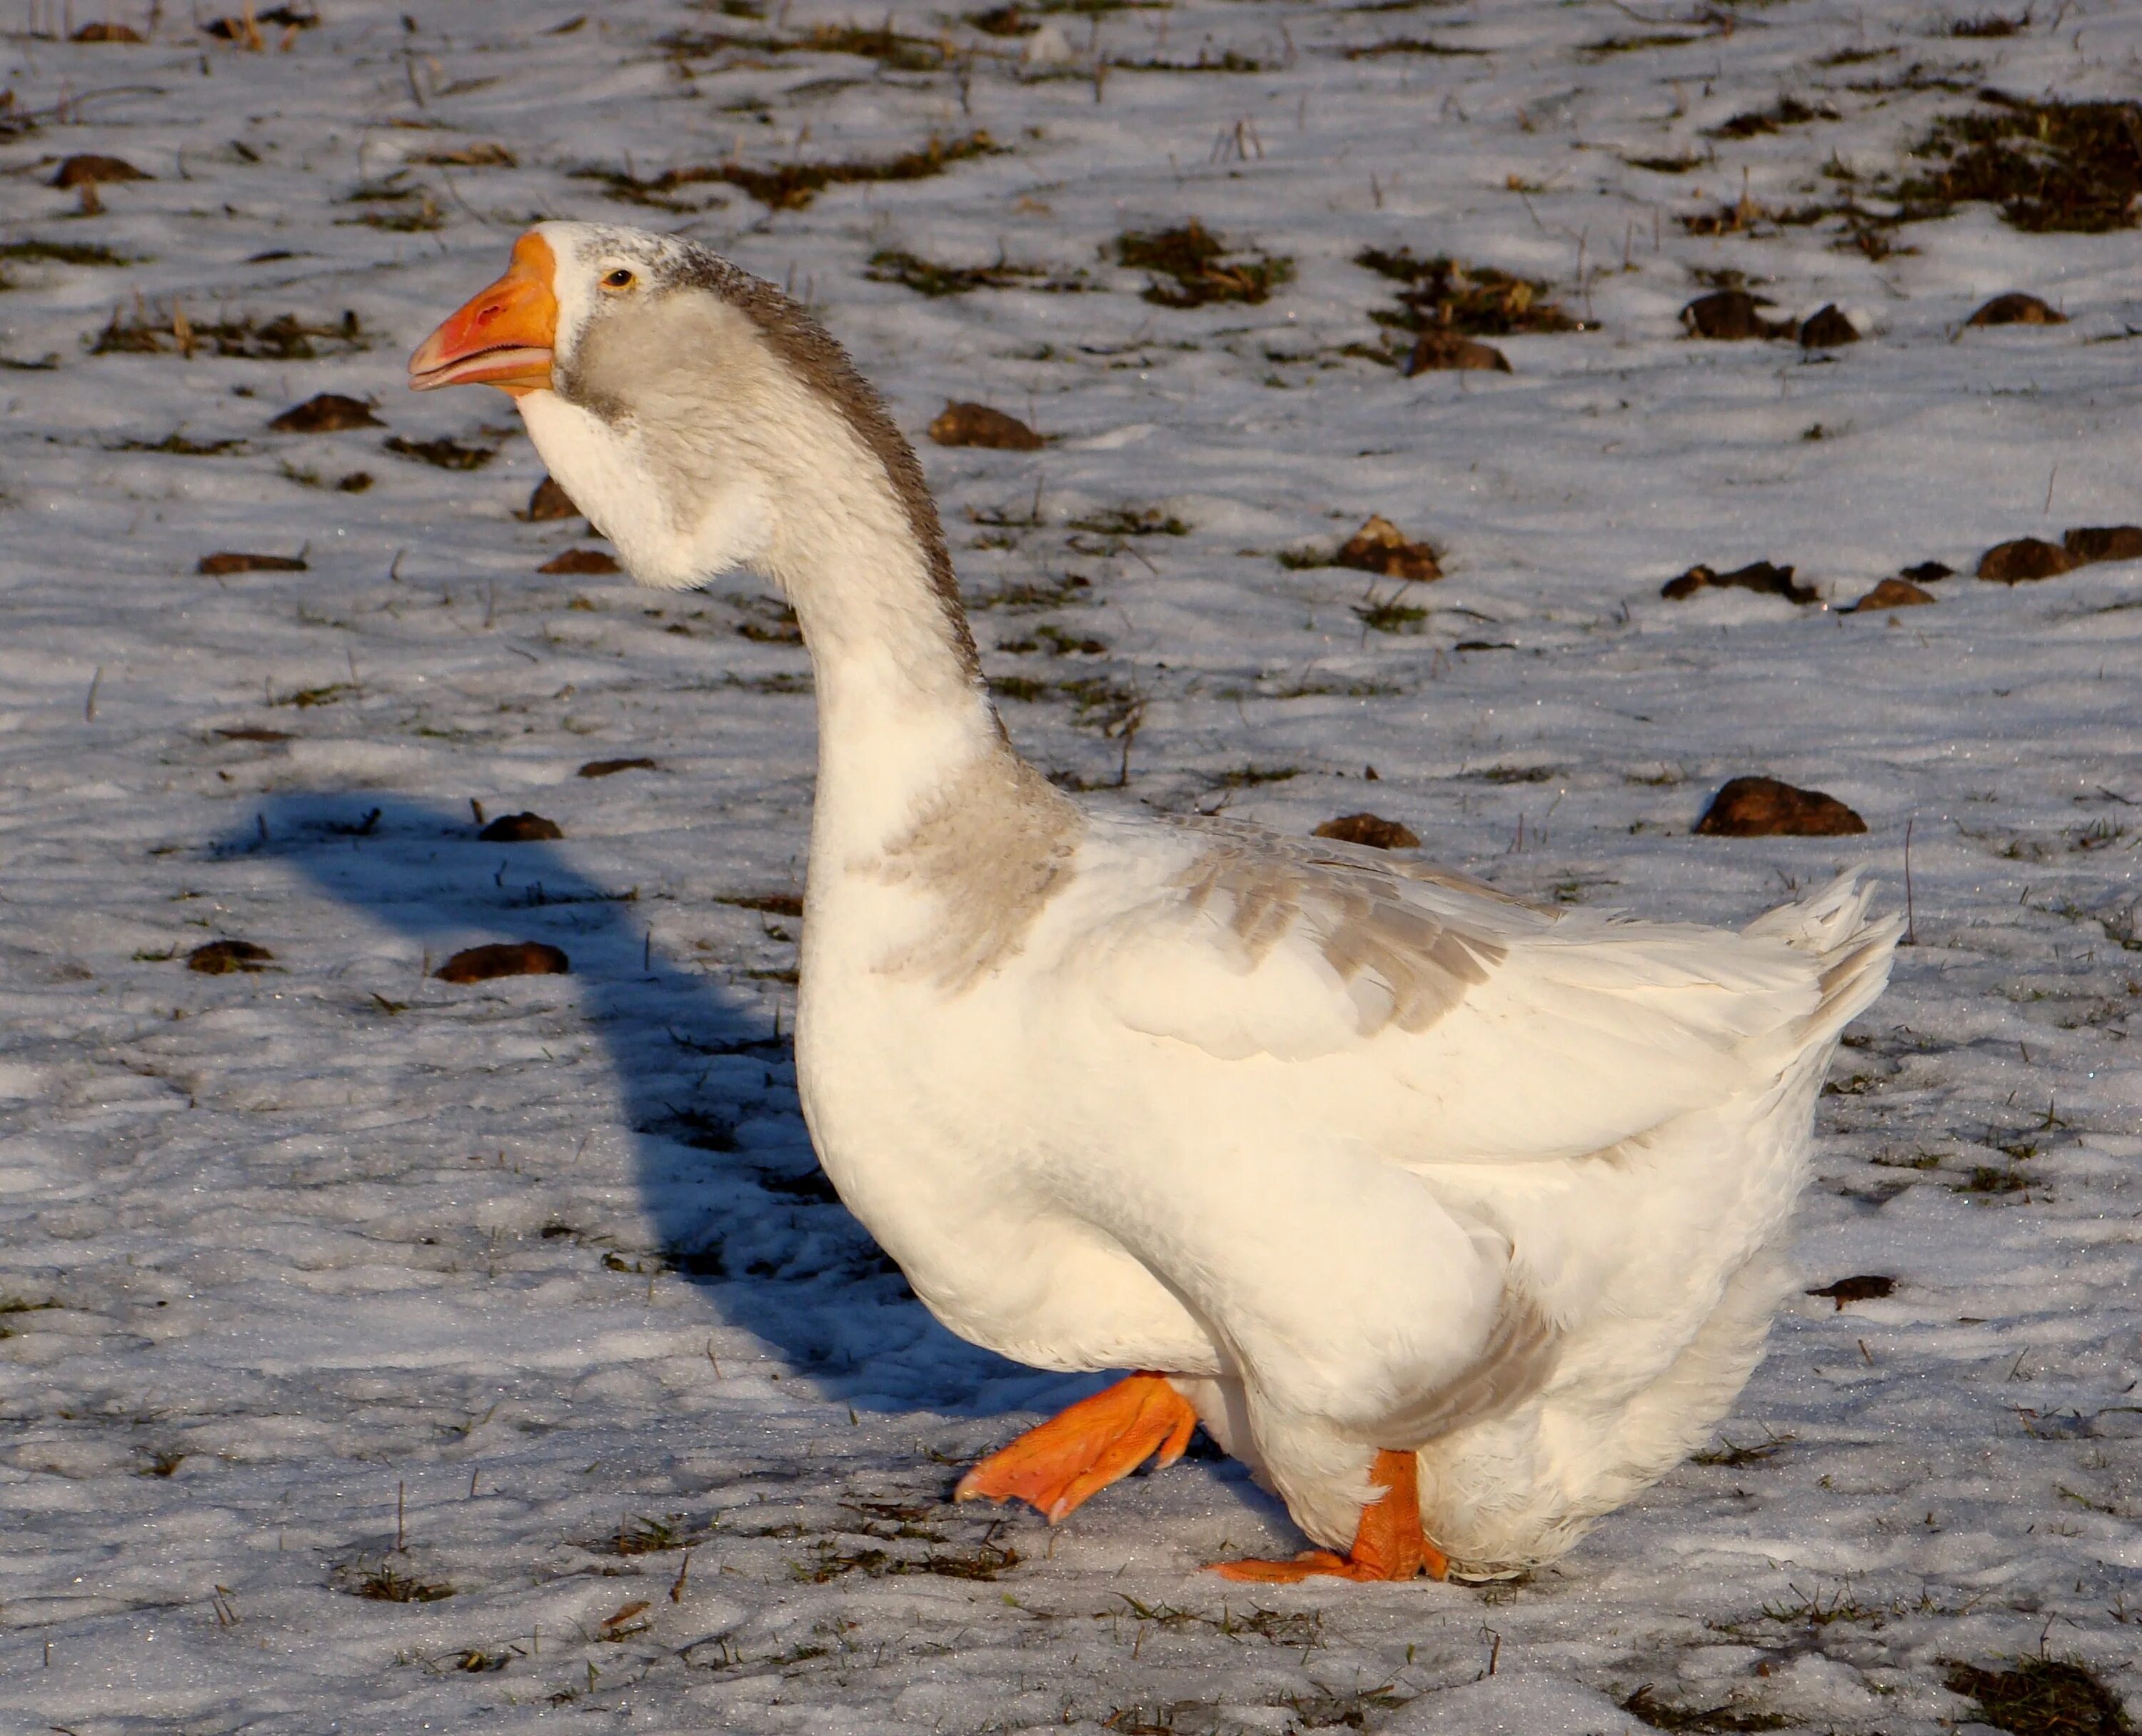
(1828, 328)
(977, 425)
(62, 253)
(1372, 830)
(89, 169)
(521, 829)
(611, 767)
(2050, 165)
(2017, 308)
(1764, 576)
(1730, 315)
(2091, 543)
(2025, 558)
(327, 412)
(220, 958)
(1439, 351)
(1380, 547)
(1785, 112)
(1193, 268)
(549, 501)
(504, 959)
(581, 563)
(2041, 1697)
(1763, 807)
(443, 453)
(106, 33)
(230, 560)
(286, 338)
(1866, 1287)
(1891, 594)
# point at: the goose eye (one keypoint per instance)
(619, 279)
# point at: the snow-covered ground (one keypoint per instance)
(334, 1278)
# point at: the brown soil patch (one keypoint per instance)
(2042, 1697)
(1891, 594)
(442, 454)
(550, 502)
(977, 425)
(328, 412)
(1193, 268)
(1867, 1287)
(107, 33)
(2049, 165)
(220, 958)
(2104, 542)
(580, 562)
(520, 829)
(1730, 315)
(1762, 807)
(504, 959)
(2026, 557)
(88, 169)
(1380, 547)
(1764, 577)
(1477, 301)
(231, 561)
(1372, 830)
(1444, 351)
(611, 767)
(1828, 328)
(2017, 308)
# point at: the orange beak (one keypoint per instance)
(503, 337)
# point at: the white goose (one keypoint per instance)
(1455, 1218)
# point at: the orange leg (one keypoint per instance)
(1080, 1452)
(1389, 1544)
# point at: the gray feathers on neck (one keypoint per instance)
(810, 352)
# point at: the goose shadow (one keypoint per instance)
(724, 1167)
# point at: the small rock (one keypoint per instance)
(1729, 315)
(520, 829)
(356, 482)
(1435, 352)
(330, 413)
(2104, 542)
(1380, 547)
(1927, 572)
(1827, 329)
(230, 561)
(89, 168)
(1762, 807)
(504, 959)
(2016, 310)
(2027, 557)
(977, 425)
(254, 733)
(220, 958)
(1867, 1287)
(550, 502)
(107, 33)
(1372, 830)
(1891, 594)
(580, 561)
(1764, 576)
(611, 767)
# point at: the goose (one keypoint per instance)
(1459, 1220)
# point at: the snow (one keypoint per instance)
(360, 1274)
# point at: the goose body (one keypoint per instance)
(1410, 1191)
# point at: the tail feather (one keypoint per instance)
(1855, 954)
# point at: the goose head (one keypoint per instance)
(701, 418)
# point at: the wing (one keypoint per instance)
(1494, 1028)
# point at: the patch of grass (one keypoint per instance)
(1406, 45)
(1193, 268)
(1611, 46)
(927, 277)
(63, 253)
(388, 1584)
(1672, 164)
(1388, 614)
(1991, 24)
(443, 453)
(791, 186)
(1474, 301)
(1812, 1609)
(180, 447)
(1785, 112)
(1131, 521)
(2041, 1697)
(1646, 1710)
(2051, 166)
(1020, 597)
(983, 1562)
(1229, 61)
(1727, 1454)
(1250, 777)
(286, 338)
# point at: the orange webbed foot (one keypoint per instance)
(1080, 1451)
(1387, 1544)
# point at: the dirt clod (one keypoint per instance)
(1438, 352)
(1927, 572)
(327, 412)
(2104, 542)
(977, 425)
(504, 959)
(220, 958)
(580, 561)
(2026, 557)
(611, 767)
(1372, 830)
(1828, 328)
(1765, 577)
(230, 560)
(1866, 1287)
(1891, 594)
(1380, 547)
(1762, 807)
(520, 829)
(88, 168)
(1730, 315)
(443, 453)
(107, 33)
(550, 502)
(2016, 309)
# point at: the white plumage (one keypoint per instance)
(1367, 1160)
